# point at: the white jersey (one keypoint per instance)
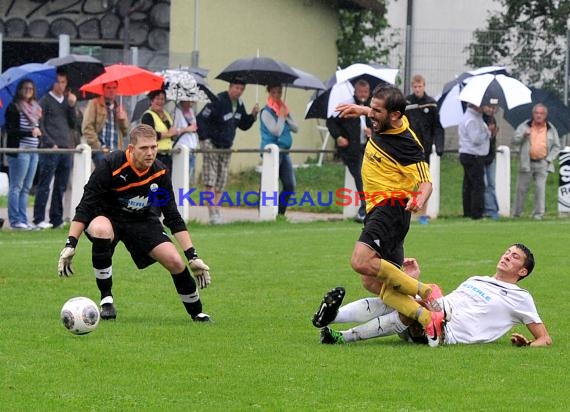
(483, 309)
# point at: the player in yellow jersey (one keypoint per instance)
(394, 163)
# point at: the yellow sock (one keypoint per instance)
(401, 282)
(405, 305)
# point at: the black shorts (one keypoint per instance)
(385, 229)
(139, 238)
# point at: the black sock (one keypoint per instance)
(186, 288)
(105, 286)
(102, 259)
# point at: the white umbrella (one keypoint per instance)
(340, 93)
(450, 107)
(497, 89)
(182, 85)
(371, 74)
(341, 88)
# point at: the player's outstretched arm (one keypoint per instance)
(348, 110)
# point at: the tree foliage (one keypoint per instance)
(527, 37)
(362, 38)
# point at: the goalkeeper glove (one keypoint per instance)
(64, 265)
(200, 270)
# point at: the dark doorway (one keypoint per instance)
(16, 53)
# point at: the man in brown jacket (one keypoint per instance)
(105, 123)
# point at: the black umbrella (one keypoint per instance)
(558, 113)
(318, 106)
(80, 69)
(258, 70)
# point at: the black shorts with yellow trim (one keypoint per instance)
(385, 230)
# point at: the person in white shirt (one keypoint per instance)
(186, 126)
(482, 309)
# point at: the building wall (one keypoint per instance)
(441, 31)
(299, 32)
(31, 28)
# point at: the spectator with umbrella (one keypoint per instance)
(491, 205)
(276, 126)
(218, 120)
(351, 135)
(539, 145)
(23, 130)
(184, 89)
(105, 123)
(474, 141)
(217, 125)
(474, 134)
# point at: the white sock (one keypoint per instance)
(384, 325)
(106, 299)
(103, 273)
(362, 310)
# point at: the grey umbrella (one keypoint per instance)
(80, 69)
(306, 81)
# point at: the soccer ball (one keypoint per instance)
(80, 315)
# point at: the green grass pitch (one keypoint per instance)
(262, 353)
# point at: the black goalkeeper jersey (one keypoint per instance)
(119, 191)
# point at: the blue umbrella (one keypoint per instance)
(43, 76)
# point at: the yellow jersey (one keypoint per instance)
(393, 165)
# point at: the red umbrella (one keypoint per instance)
(132, 80)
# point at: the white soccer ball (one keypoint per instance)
(80, 315)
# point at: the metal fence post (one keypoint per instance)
(181, 178)
(80, 174)
(64, 45)
(432, 209)
(269, 195)
(351, 210)
(503, 180)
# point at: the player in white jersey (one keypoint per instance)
(481, 310)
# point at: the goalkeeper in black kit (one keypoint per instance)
(123, 201)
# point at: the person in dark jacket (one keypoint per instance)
(350, 136)
(423, 115)
(56, 124)
(491, 204)
(217, 124)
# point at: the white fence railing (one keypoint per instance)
(269, 183)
